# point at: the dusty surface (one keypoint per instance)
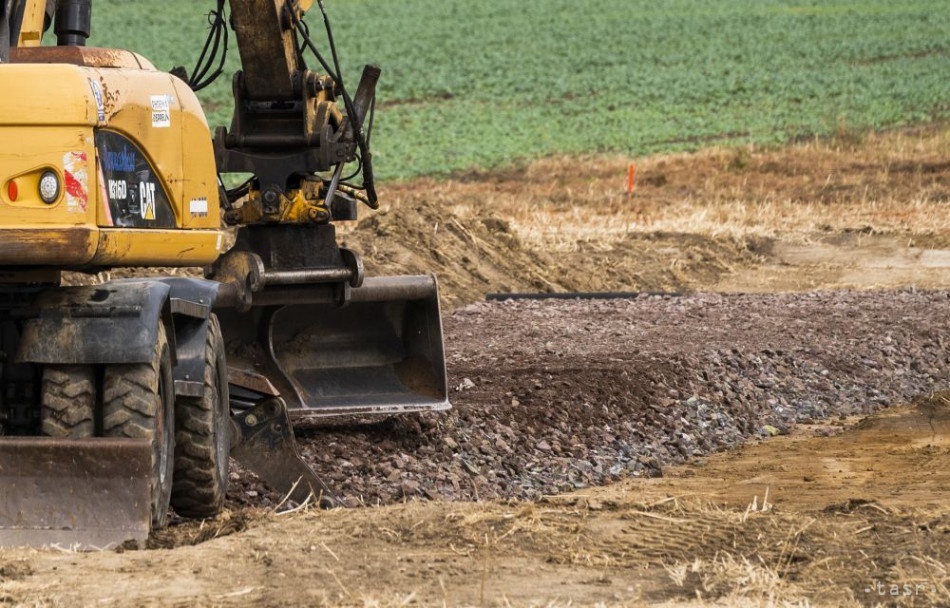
(833, 520)
(542, 487)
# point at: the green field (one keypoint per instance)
(484, 84)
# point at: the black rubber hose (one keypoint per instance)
(365, 155)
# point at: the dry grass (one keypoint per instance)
(896, 182)
(737, 580)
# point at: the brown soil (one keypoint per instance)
(848, 511)
(721, 219)
(835, 520)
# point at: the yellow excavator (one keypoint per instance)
(120, 399)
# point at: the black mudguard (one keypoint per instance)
(191, 301)
(115, 322)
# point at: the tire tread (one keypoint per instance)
(197, 491)
(68, 397)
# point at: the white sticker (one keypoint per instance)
(161, 113)
(199, 207)
(118, 190)
(100, 101)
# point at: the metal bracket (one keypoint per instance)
(265, 445)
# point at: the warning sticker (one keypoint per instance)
(100, 101)
(161, 113)
(77, 179)
(199, 207)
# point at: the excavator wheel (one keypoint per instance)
(202, 437)
(138, 402)
(68, 397)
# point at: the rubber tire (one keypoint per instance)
(138, 401)
(67, 401)
(203, 436)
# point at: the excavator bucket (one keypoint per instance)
(74, 493)
(379, 353)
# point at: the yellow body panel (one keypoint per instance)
(52, 116)
(34, 232)
(200, 180)
(139, 247)
(52, 94)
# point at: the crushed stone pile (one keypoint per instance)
(555, 395)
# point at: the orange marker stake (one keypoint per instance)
(630, 176)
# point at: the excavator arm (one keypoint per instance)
(12, 18)
(290, 122)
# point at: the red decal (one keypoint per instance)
(76, 189)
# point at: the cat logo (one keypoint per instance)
(147, 195)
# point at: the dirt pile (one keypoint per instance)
(479, 255)
(718, 219)
(474, 257)
(470, 257)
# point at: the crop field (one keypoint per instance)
(478, 85)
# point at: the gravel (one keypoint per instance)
(551, 396)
